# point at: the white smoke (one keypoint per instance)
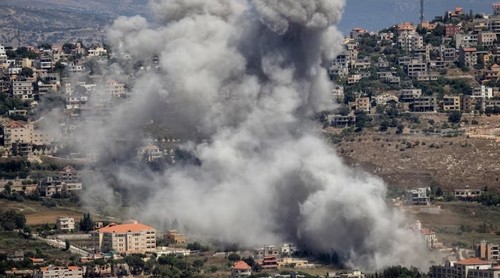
(247, 76)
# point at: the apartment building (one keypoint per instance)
(175, 238)
(467, 57)
(125, 238)
(65, 224)
(460, 269)
(424, 104)
(23, 90)
(451, 103)
(3, 55)
(363, 104)
(408, 95)
(415, 68)
(488, 251)
(19, 132)
(465, 40)
(59, 272)
(410, 41)
(487, 38)
(115, 89)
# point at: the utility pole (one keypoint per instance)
(421, 11)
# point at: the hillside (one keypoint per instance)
(33, 22)
(414, 159)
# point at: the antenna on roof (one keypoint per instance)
(421, 10)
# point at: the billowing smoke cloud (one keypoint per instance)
(246, 76)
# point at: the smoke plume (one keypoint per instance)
(245, 76)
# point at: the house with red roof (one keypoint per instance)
(241, 269)
(127, 238)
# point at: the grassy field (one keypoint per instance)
(36, 214)
(11, 241)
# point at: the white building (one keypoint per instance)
(165, 251)
(66, 224)
(459, 269)
(59, 272)
(3, 55)
(417, 196)
(22, 90)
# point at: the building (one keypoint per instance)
(450, 30)
(415, 67)
(467, 194)
(459, 269)
(429, 237)
(346, 274)
(410, 41)
(174, 237)
(241, 269)
(115, 89)
(353, 79)
(19, 132)
(363, 104)
(343, 121)
(451, 103)
(125, 238)
(59, 272)
(149, 153)
(487, 38)
(488, 251)
(288, 249)
(65, 224)
(465, 40)
(467, 57)
(424, 104)
(269, 262)
(23, 90)
(417, 196)
(3, 55)
(408, 95)
(165, 251)
(484, 273)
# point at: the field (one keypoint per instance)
(36, 214)
(11, 242)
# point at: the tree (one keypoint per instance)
(26, 72)
(361, 119)
(233, 257)
(455, 116)
(68, 245)
(86, 223)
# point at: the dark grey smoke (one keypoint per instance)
(247, 76)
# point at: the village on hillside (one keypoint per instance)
(389, 82)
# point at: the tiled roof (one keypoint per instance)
(241, 265)
(15, 124)
(124, 228)
(473, 261)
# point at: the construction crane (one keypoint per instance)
(421, 10)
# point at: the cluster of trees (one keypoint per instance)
(489, 199)
(10, 220)
(399, 272)
(8, 103)
(163, 266)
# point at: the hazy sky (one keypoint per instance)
(378, 14)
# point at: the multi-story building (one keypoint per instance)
(471, 103)
(115, 89)
(415, 68)
(424, 104)
(451, 103)
(494, 24)
(66, 224)
(18, 132)
(496, 8)
(408, 95)
(125, 238)
(417, 196)
(488, 251)
(23, 90)
(465, 40)
(58, 272)
(487, 38)
(467, 57)
(3, 55)
(467, 194)
(363, 104)
(459, 269)
(410, 41)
